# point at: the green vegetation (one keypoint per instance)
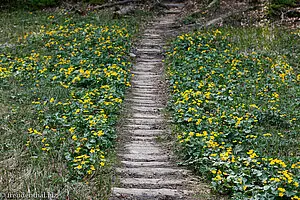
(236, 111)
(277, 5)
(62, 85)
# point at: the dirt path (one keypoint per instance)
(146, 170)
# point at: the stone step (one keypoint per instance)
(151, 44)
(147, 116)
(150, 61)
(151, 183)
(146, 76)
(147, 43)
(142, 80)
(156, 62)
(156, 42)
(139, 95)
(139, 86)
(146, 91)
(146, 132)
(152, 35)
(151, 171)
(145, 121)
(154, 98)
(142, 126)
(149, 56)
(175, 5)
(148, 50)
(162, 23)
(146, 69)
(142, 138)
(147, 108)
(148, 194)
(152, 105)
(173, 11)
(133, 149)
(148, 95)
(142, 101)
(144, 66)
(143, 85)
(144, 157)
(143, 73)
(145, 164)
(142, 144)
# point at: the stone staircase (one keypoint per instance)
(146, 170)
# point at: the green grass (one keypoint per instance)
(28, 169)
(274, 41)
(234, 100)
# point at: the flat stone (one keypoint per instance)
(151, 193)
(143, 138)
(143, 73)
(150, 61)
(141, 144)
(148, 76)
(151, 171)
(149, 50)
(147, 95)
(145, 164)
(147, 132)
(172, 11)
(147, 43)
(139, 126)
(147, 116)
(146, 108)
(157, 182)
(145, 121)
(151, 35)
(136, 86)
(149, 56)
(175, 5)
(144, 157)
(143, 83)
(150, 91)
(143, 150)
(142, 101)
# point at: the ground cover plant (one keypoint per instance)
(236, 114)
(61, 91)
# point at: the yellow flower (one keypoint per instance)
(78, 167)
(52, 100)
(280, 194)
(72, 129)
(74, 137)
(217, 178)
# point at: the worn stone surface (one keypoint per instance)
(146, 170)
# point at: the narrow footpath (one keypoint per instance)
(146, 170)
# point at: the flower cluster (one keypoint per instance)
(88, 65)
(236, 116)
